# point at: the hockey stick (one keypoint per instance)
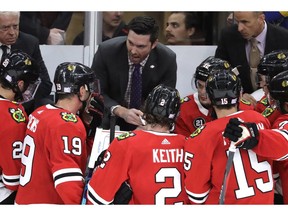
(91, 166)
(232, 150)
(112, 127)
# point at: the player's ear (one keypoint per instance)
(20, 84)
(83, 93)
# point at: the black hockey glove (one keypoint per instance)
(96, 109)
(244, 134)
(123, 195)
(92, 113)
(100, 158)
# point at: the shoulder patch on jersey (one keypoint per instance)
(68, 117)
(198, 122)
(245, 101)
(197, 131)
(264, 101)
(17, 115)
(267, 112)
(125, 135)
(185, 99)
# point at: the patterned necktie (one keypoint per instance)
(254, 59)
(4, 53)
(136, 88)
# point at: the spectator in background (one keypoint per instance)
(180, 28)
(13, 39)
(277, 17)
(234, 45)
(112, 26)
(117, 58)
(48, 27)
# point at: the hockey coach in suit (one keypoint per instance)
(115, 61)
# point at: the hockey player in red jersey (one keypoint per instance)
(150, 160)
(17, 72)
(54, 151)
(250, 178)
(270, 65)
(278, 89)
(196, 108)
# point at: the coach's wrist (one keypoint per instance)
(113, 109)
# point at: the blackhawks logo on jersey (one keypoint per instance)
(17, 115)
(197, 131)
(125, 135)
(267, 112)
(69, 117)
(245, 101)
(185, 99)
(264, 101)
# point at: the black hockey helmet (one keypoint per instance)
(70, 76)
(278, 87)
(273, 63)
(163, 101)
(208, 65)
(223, 88)
(18, 65)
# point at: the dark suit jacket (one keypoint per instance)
(231, 47)
(111, 66)
(40, 23)
(30, 45)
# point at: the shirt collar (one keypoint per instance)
(262, 36)
(141, 63)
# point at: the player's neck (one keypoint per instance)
(69, 104)
(225, 112)
(7, 93)
(157, 128)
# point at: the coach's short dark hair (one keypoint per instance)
(145, 25)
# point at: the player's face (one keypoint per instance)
(250, 24)
(176, 32)
(262, 80)
(138, 46)
(202, 95)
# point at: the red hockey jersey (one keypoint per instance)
(151, 162)
(282, 166)
(54, 158)
(206, 153)
(193, 115)
(13, 121)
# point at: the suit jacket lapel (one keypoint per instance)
(242, 52)
(149, 69)
(122, 69)
(269, 40)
